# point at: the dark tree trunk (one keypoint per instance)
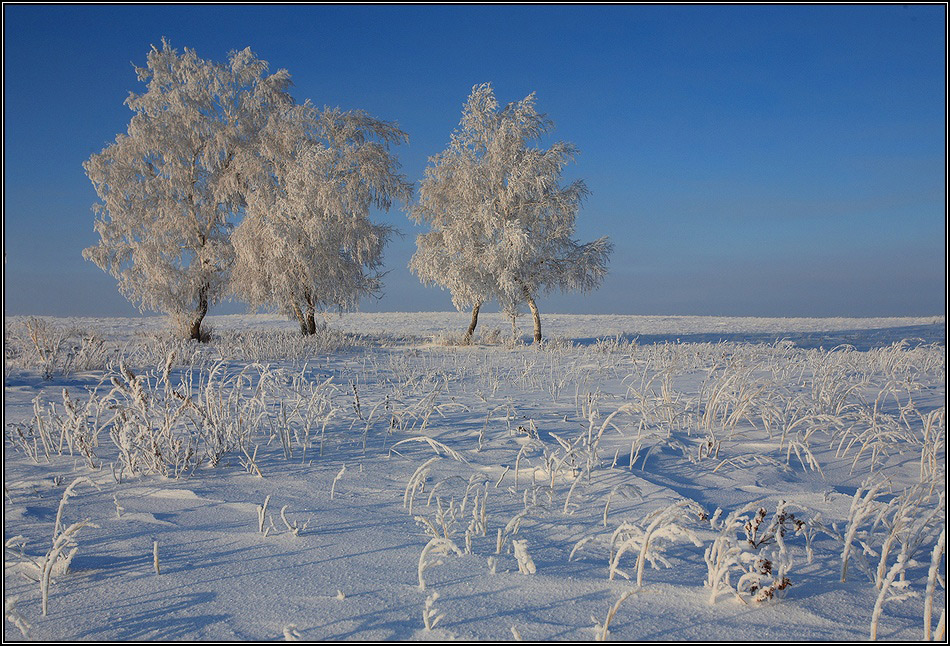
(311, 324)
(300, 318)
(194, 332)
(471, 326)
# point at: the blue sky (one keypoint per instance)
(750, 161)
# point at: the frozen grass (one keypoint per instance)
(579, 463)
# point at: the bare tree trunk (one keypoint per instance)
(311, 324)
(537, 316)
(194, 331)
(471, 326)
(300, 318)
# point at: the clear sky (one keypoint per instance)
(751, 161)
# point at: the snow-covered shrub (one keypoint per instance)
(753, 547)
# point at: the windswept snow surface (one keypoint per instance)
(621, 426)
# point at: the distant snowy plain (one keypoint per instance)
(329, 490)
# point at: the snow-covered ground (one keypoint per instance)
(380, 482)
(580, 328)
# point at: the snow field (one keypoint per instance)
(585, 490)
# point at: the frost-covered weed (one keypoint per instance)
(525, 562)
(56, 348)
(615, 344)
(933, 439)
(261, 512)
(292, 634)
(53, 349)
(160, 426)
(430, 615)
(435, 445)
(937, 555)
(32, 437)
(649, 538)
(11, 614)
(63, 546)
(294, 528)
(909, 522)
(76, 430)
(280, 346)
(336, 479)
(754, 547)
(451, 516)
(146, 428)
(435, 548)
(452, 338)
(863, 519)
(602, 631)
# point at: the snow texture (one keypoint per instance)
(732, 465)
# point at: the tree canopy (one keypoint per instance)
(306, 242)
(501, 223)
(224, 186)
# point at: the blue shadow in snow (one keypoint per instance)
(862, 340)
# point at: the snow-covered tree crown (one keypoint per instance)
(307, 241)
(501, 223)
(172, 186)
(224, 185)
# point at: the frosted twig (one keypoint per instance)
(261, 511)
(436, 446)
(335, 480)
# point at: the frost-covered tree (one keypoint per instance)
(306, 242)
(501, 223)
(173, 186)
